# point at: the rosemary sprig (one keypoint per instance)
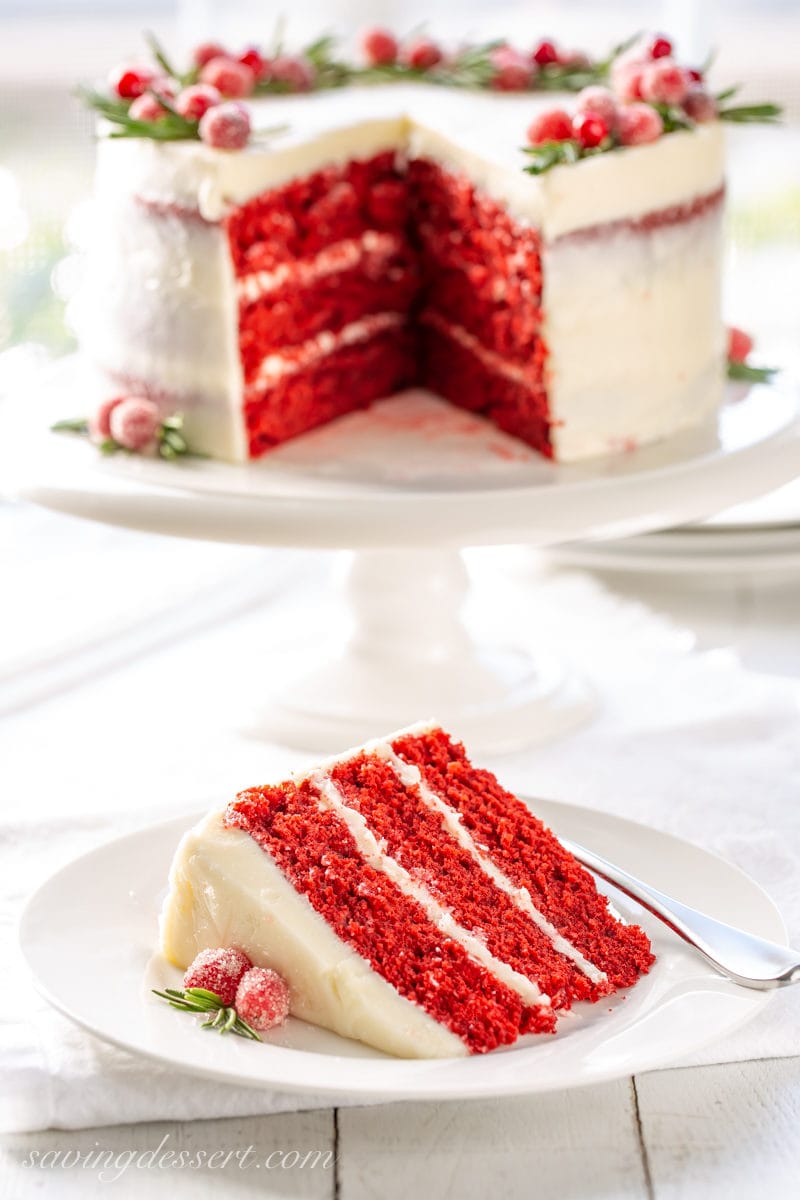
(71, 425)
(742, 114)
(172, 127)
(747, 374)
(225, 1019)
(550, 154)
(170, 442)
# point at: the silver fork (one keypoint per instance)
(748, 960)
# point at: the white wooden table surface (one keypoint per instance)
(720, 1131)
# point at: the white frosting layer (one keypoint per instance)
(226, 891)
(340, 256)
(480, 133)
(275, 366)
(636, 343)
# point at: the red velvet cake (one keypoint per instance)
(408, 900)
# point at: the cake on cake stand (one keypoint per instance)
(405, 486)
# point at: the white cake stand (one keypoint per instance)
(406, 485)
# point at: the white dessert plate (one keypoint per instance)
(410, 471)
(89, 936)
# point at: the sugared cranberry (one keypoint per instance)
(590, 129)
(233, 79)
(422, 55)
(296, 73)
(699, 105)
(219, 971)
(253, 59)
(225, 127)
(740, 344)
(664, 82)
(512, 71)
(660, 47)
(134, 422)
(380, 47)
(545, 54)
(99, 428)
(195, 101)
(204, 53)
(262, 998)
(128, 82)
(638, 124)
(555, 125)
(598, 100)
(626, 80)
(146, 108)
(573, 58)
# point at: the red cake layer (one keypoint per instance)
(346, 379)
(460, 261)
(300, 218)
(416, 837)
(480, 269)
(453, 370)
(317, 854)
(288, 315)
(529, 854)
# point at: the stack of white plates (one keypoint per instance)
(761, 538)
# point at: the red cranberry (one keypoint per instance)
(513, 72)
(740, 344)
(660, 47)
(225, 127)
(134, 422)
(380, 47)
(262, 998)
(699, 105)
(233, 79)
(128, 82)
(664, 82)
(626, 79)
(693, 74)
(218, 971)
(193, 102)
(545, 54)
(254, 60)
(422, 55)
(638, 124)
(146, 108)
(598, 100)
(590, 129)
(204, 53)
(99, 428)
(555, 125)
(296, 73)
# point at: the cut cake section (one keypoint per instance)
(407, 899)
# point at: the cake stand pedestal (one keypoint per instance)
(410, 655)
(408, 484)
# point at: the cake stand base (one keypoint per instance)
(410, 657)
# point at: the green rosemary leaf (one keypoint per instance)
(71, 425)
(745, 113)
(160, 56)
(747, 374)
(551, 154)
(109, 446)
(726, 93)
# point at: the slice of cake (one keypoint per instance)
(408, 900)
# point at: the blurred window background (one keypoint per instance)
(47, 152)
